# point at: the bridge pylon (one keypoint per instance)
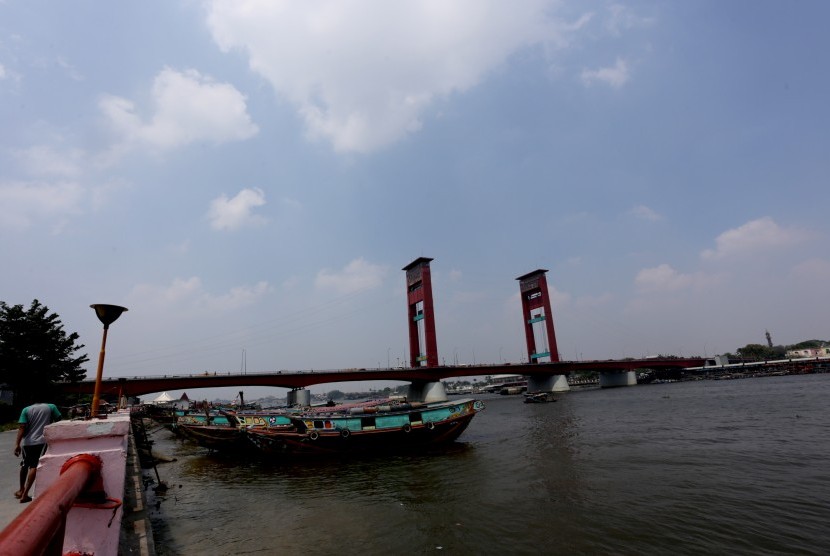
(538, 317)
(423, 348)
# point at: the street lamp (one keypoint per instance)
(107, 314)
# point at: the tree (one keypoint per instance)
(756, 352)
(36, 353)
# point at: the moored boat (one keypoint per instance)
(377, 425)
(214, 437)
(369, 428)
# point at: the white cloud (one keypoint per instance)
(455, 275)
(232, 214)
(189, 297)
(664, 278)
(2, 72)
(361, 74)
(71, 70)
(620, 18)
(815, 269)
(26, 202)
(588, 301)
(188, 107)
(44, 160)
(645, 213)
(470, 297)
(753, 237)
(356, 276)
(616, 76)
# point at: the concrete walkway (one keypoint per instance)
(10, 507)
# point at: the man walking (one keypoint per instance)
(31, 442)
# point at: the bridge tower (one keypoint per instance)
(423, 348)
(538, 316)
(538, 322)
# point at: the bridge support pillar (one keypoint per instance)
(547, 383)
(298, 397)
(617, 378)
(427, 392)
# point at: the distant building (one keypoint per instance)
(182, 403)
(717, 361)
(809, 352)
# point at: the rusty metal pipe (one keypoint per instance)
(31, 533)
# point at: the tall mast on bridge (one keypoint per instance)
(423, 348)
(536, 310)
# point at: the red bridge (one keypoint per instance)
(544, 369)
(137, 386)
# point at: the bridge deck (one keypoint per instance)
(137, 386)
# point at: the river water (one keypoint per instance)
(737, 466)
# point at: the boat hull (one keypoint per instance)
(416, 429)
(338, 442)
(372, 427)
(214, 437)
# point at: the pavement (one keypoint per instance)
(10, 507)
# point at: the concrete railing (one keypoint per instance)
(79, 490)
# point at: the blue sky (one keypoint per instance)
(252, 176)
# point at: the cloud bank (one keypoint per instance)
(362, 74)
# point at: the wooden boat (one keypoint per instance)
(369, 428)
(539, 397)
(214, 437)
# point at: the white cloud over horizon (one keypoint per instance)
(356, 276)
(189, 298)
(26, 203)
(430, 50)
(753, 237)
(664, 278)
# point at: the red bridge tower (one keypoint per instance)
(423, 349)
(538, 316)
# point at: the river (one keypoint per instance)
(737, 466)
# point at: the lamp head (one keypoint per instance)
(108, 314)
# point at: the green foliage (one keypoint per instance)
(36, 353)
(335, 395)
(756, 352)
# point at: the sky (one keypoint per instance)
(249, 177)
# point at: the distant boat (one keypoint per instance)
(380, 425)
(539, 397)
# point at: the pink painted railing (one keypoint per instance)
(77, 506)
(39, 528)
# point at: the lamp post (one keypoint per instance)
(107, 314)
